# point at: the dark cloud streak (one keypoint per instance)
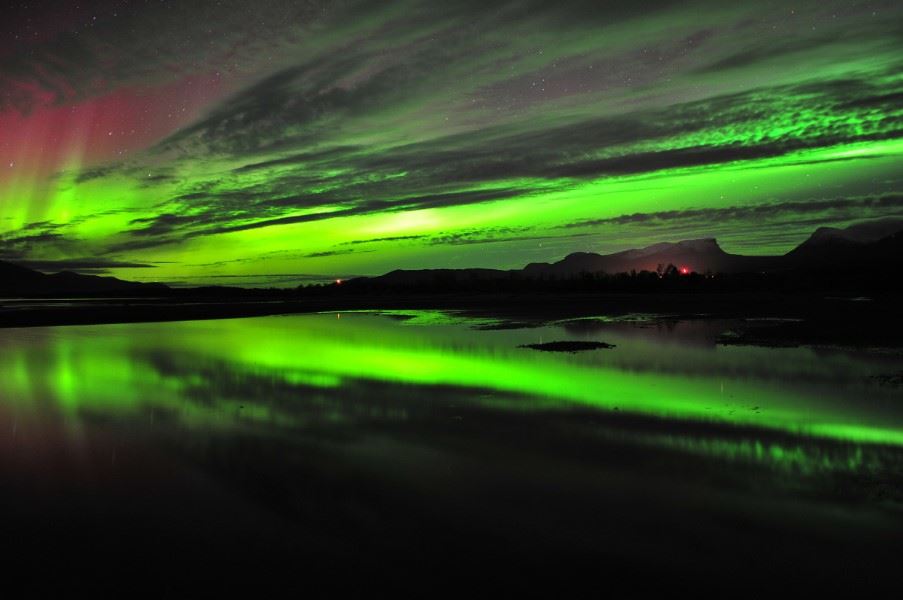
(755, 213)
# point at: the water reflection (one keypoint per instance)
(286, 371)
(349, 425)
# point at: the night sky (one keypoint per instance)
(286, 142)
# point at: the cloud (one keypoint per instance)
(836, 208)
(78, 52)
(327, 253)
(38, 236)
(213, 219)
(82, 265)
(97, 172)
(468, 238)
(392, 238)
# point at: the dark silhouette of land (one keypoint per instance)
(861, 256)
(17, 281)
(839, 286)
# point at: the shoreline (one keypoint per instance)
(770, 319)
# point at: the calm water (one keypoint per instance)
(355, 438)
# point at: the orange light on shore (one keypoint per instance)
(338, 282)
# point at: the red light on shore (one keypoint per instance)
(684, 271)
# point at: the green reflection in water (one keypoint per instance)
(217, 374)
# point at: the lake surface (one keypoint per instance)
(357, 440)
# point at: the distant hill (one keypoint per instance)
(830, 247)
(693, 255)
(860, 233)
(18, 281)
(864, 247)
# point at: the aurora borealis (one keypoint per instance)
(275, 143)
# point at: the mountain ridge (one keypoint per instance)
(16, 280)
(826, 247)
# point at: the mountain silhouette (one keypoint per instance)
(691, 255)
(16, 281)
(864, 247)
(829, 247)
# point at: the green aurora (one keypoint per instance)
(357, 137)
